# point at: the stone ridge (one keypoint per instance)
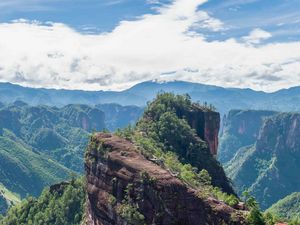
(162, 199)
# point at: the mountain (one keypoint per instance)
(124, 187)
(270, 168)
(163, 171)
(117, 116)
(224, 99)
(42, 145)
(288, 207)
(60, 133)
(240, 129)
(188, 129)
(52, 97)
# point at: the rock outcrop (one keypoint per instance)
(123, 187)
(211, 131)
(207, 125)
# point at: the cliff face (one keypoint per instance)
(125, 188)
(270, 169)
(212, 127)
(240, 128)
(288, 207)
(280, 134)
(206, 124)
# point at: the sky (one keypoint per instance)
(114, 44)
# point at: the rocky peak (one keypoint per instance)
(123, 187)
(280, 133)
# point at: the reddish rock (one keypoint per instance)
(112, 164)
(212, 127)
(206, 124)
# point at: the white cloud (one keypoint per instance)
(256, 36)
(54, 55)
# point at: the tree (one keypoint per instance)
(204, 177)
(255, 217)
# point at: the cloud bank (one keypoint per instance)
(167, 45)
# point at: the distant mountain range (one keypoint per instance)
(224, 99)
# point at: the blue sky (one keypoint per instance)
(114, 44)
(280, 17)
(101, 15)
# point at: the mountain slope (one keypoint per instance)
(42, 145)
(61, 133)
(25, 172)
(287, 208)
(270, 168)
(7, 199)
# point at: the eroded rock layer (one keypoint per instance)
(125, 188)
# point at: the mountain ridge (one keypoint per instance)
(224, 99)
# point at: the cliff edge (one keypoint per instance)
(123, 187)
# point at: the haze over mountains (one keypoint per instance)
(224, 99)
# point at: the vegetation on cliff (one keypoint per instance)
(169, 124)
(164, 135)
(61, 204)
(124, 186)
